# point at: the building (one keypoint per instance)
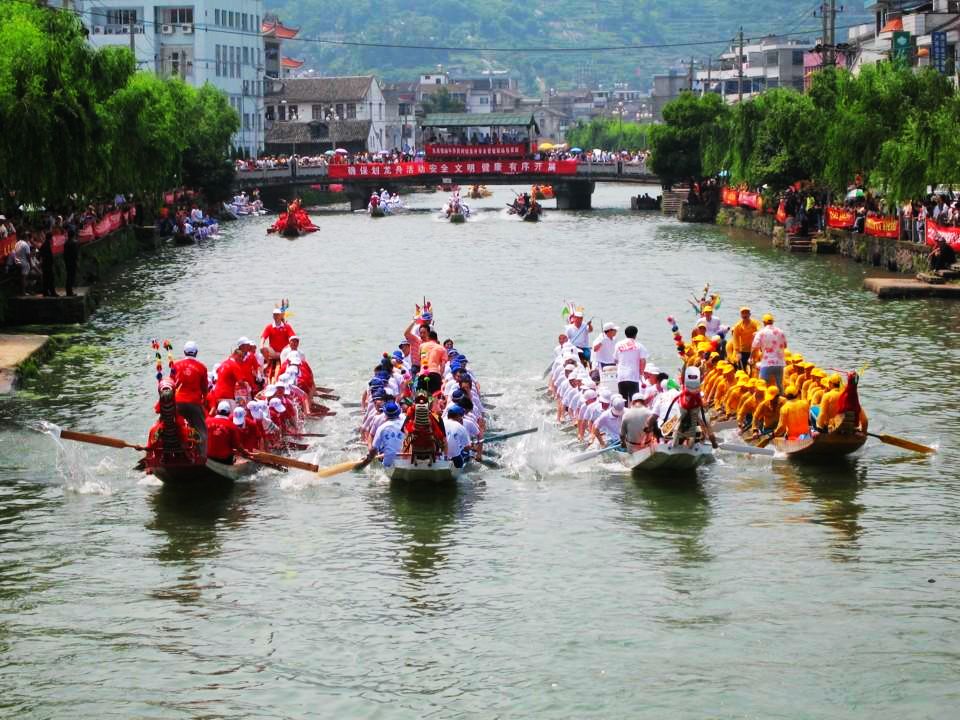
(200, 41)
(311, 115)
(771, 62)
(931, 29)
(275, 65)
(401, 115)
(666, 87)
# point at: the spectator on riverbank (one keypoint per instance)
(47, 284)
(71, 256)
(942, 256)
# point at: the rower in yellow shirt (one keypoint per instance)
(716, 376)
(794, 423)
(748, 405)
(741, 336)
(813, 381)
(767, 414)
(732, 399)
(827, 409)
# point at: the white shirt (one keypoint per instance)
(284, 354)
(604, 348)
(389, 440)
(608, 425)
(457, 439)
(713, 325)
(579, 336)
(473, 430)
(628, 355)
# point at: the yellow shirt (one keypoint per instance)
(767, 413)
(794, 419)
(828, 408)
(732, 400)
(742, 334)
(748, 406)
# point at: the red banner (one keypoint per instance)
(840, 217)
(6, 245)
(781, 216)
(447, 169)
(884, 227)
(730, 197)
(751, 200)
(950, 234)
(476, 151)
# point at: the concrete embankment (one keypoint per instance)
(19, 355)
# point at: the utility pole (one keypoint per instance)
(706, 87)
(690, 76)
(740, 69)
(832, 51)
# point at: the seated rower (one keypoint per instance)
(223, 439)
(794, 422)
(389, 438)
(639, 427)
(458, 439)
(692, 417)
(607, 427)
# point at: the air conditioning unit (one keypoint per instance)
(187, 28)
(166, 29)
(108, 30)
(98, 29)
(124, 30)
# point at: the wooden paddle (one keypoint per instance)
(747, 449)
(901, 443)
(583, 457)
(310, 435)
(98, 440)
(506, 436)
(321, 388)
(764, 441)
(327, 396)
(268, 458)
(340, 468)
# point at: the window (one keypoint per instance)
(236, 61)
(216, 17)
(755, 59)
(121, 17)
(230, 72)
(340, 111)
(256, 28)
(797, 83)
(246, 56)
(438, 81)
(269, 110)
(216, 54)
(798, 57)
(230, 20)
(179, 16)
(246, 121)
(351, 111)
(243, 22)
(246, 87)
(283, 113)
(293, 112)
(316, 112)
(773, 57)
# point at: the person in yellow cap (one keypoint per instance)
(732, 399)
(748, 405)
(809, 386)
(767, 414)
(829, 402)
(741, 335)
(720, 388)
(714, 376)
(710, 321)
(794, 423)
(770, 342)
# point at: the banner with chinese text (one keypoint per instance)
(482, 167)
(476, 151)
(950, 234)
(840, 217)
(884, 227)
(730, 197)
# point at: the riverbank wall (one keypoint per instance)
(98, 260)
(886, 253)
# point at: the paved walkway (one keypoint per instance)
(14, 349)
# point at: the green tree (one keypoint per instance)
(441, 102)
(212, 122)
(677, 145)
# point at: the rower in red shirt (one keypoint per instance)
(230, 372)
(274, 339)
(223, 439)
(303, 371)
(247, 430)
(190, 376)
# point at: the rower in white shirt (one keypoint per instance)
(712, 322)
(458, 439)
(578, 333)
(604, 347)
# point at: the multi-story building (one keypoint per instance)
(310, 115)
(768, 63)
(200, 41)
(932, 27)
(401, 115)
(666, 87)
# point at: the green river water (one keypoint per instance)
(762, 590)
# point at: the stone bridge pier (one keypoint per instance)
(573, 194)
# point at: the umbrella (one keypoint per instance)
(341, 151)
(576, 150)
(546, 146)
(855, 194)
(329, 152)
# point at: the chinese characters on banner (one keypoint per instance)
(950, 234)
(730, 197)
(380, 171)
(938, 50)
(751, 200)
(840, 217)
(476, 151)
(884, 227)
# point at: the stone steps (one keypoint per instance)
(799, 243)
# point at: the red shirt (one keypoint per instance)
(191, 378)
(250, 435)
(222, 438)
(277, 337)
(229, 372)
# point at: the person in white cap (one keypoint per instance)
(692, 417)
(604, 347)
(607, 427)
(274, 338)
(223, 439)
(589, 411)
(190, 378)
(292, 345)
(578, 332)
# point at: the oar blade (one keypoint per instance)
(337, 469)
(94, 439)
(283, 460)
(747, 449)
(905, 444)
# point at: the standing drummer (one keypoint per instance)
(578, 333)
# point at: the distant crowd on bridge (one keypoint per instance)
(342, 157)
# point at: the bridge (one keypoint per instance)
(572, 188)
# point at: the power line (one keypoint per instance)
(445, 48)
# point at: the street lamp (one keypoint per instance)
(619, 112)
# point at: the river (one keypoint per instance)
(763, 590)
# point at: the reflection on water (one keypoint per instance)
(676, 510)
(192, 525)
(833, 491)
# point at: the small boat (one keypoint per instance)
(663, 459)
(822, 446)
(423, 472)
(457, 217)
(209, 474)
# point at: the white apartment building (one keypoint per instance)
(767, 63)
(215, 41)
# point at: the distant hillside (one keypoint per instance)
(552, 23)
